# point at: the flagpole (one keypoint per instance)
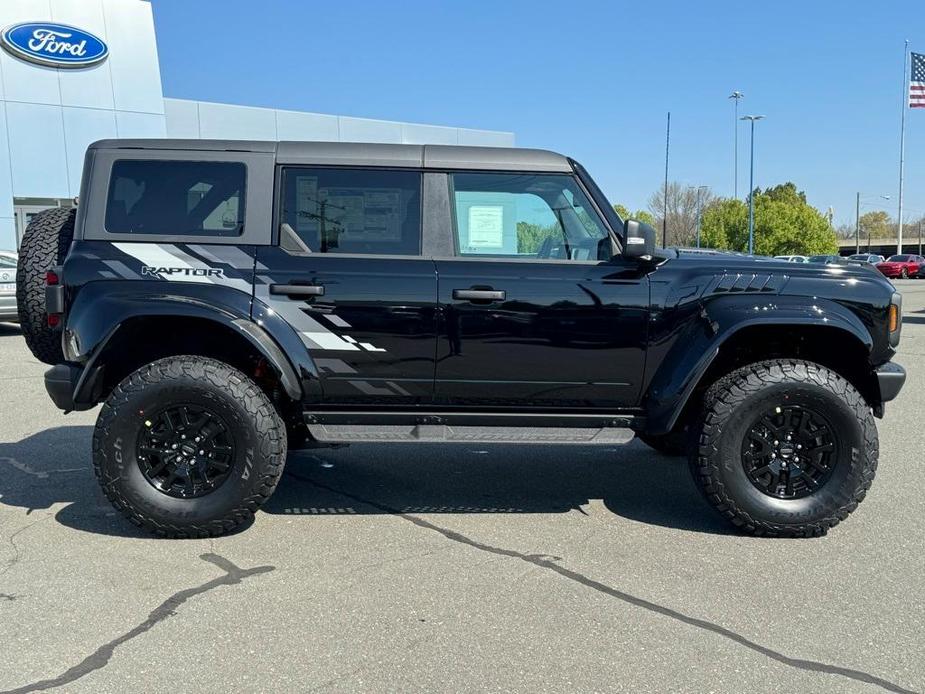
(902, 148)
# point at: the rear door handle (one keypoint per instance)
(297, 289)
(479, 294)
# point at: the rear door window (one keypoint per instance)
(365, 211)
(176, 198)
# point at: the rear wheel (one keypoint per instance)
(786, 448)
(188, 447)
(44, 245)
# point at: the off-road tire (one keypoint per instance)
(257, 429)
(674, 443)
(736, 400)
(44, 245)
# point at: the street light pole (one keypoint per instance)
(751, 187)
(736, 95)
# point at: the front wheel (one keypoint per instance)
(188, 447)
(786, 448)
(904, 274)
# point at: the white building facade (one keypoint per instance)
(49, 114)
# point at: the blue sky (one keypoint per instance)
(590, 79)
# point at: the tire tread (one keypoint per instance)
(728, 392)
(270, 449)
(44, 245)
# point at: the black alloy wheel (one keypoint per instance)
(185, 451)
(789, 452)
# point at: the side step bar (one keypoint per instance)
(443, 433)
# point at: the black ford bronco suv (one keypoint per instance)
(225, 300)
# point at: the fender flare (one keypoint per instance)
(100, 313)
(669, 393)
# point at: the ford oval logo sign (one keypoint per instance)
(54, 45)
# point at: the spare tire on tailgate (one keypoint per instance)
(44, 245)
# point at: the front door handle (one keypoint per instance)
(479, 294)
(297, 289)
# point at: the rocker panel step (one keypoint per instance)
(442, 433)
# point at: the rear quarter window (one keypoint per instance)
(176, 198)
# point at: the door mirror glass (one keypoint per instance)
(639, 239)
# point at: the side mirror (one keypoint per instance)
(638, 239)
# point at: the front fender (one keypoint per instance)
(696, 335)
(101, 309)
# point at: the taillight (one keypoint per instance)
(54, 297)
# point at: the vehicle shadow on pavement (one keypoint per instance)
(53, 467)
(632, 481)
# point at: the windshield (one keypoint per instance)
(859, 257)
(819, 258)
(900, 258)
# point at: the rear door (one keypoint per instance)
(535, 310)
(348, 275)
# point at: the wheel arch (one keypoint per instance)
(674, 396)
(140, 340)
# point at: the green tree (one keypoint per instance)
(723, 222)
(785, 192)
(876, 224)
(784, 224)
(531, 236)
(640, 215)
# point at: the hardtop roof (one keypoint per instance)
(366, 154)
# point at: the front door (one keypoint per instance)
(534, 310)
(349, 277)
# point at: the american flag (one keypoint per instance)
(917, 82)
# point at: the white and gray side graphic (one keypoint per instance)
(168, 262)
(314, 334)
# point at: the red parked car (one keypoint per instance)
(902, 266)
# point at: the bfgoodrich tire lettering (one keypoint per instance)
(259, 445)
(44, 245)
(731, 407)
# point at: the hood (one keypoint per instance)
(732, 262)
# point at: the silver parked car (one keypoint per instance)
(792, 258)
(8, 286)
(870, 258)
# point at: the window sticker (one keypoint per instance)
(486, 226)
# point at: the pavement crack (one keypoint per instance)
(17, 554)
(101, 656)
(549, 563)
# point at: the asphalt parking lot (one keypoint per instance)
(452, 568)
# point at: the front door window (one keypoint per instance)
(526, 217)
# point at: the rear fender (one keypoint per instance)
(101, 309)
(700, 336)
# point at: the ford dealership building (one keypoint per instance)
(75, 71)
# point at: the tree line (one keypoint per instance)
(785, 223)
